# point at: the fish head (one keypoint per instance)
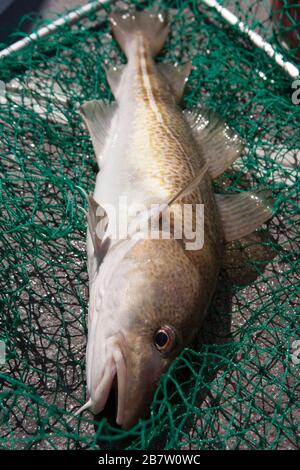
(148, 311)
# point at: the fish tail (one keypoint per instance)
(127, 27)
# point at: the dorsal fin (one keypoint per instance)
(244, 212)
(221, 146)
(176, 76)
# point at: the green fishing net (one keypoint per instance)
(238, 388)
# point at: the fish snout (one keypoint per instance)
(113, 378)
(127, 381)
(143, 373)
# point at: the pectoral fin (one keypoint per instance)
(221, 146)
(97, 223)
(98, 117)
(176, 76)
(162, 206)
(242, 213)
(191, 186)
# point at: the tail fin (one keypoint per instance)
(153, 27)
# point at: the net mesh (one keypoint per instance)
(238, 388)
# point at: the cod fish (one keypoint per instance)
(149, 296)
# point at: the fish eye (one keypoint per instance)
(164, 339)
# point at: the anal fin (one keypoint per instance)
(97, 219)
(243, 213)
(221, 146)
(114, 76)
(98, 116)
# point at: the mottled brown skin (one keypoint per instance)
(157, 283)
(180, 283)
(173, 162)
(171, 298)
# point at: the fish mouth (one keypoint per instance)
(112, 390)
(119, 385)
(110, 410)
